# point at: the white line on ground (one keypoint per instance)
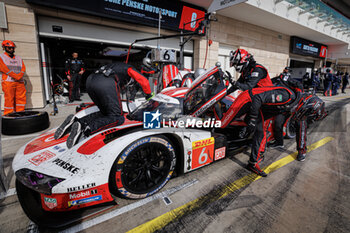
(23, 136)
(102, 218)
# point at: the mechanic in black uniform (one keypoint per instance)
(104, 89)
(283, 80)
(268, 102)
(345, 82)
(74, 68)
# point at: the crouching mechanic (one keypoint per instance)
(283, 80)
(271, 101)
(103, 88)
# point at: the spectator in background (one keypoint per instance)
(336, 83)
(12, 69)
(74, 68)
(315, 80)
(328, 79)
(306, 81)
(345, 82)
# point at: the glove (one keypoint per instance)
(149, 96)
(251, 127)
(230, 78)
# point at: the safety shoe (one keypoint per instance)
(256, 169)
(74, 135)
(60, 131)
(301, 156)
(276, 145)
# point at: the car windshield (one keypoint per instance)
(169, 107)
(204, 92)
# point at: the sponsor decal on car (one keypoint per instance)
(82, 194)
(84, 200)
(67, 166)
(50, 202)
(82, 187)
(59, 149)
(202, 152)
(220, 153)
(131, 148)
(42, 157)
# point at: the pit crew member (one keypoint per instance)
(252, 75)
(283, 80)
(271, 101)
(12, 69)
(104, 89)
(74, 68)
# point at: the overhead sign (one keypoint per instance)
(174, 14)
(307, 48)
(221, 4)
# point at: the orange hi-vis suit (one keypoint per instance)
(12, 70)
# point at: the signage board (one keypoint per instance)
(146, 12)
(307, 48)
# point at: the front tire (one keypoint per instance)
(143, 168)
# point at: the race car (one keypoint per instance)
(163, 136)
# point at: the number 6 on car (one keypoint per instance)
(202, 152)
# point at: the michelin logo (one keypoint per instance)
(85, 200)
(151, 120)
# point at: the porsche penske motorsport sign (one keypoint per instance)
(174, 13)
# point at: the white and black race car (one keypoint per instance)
(133, 160)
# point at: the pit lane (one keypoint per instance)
(224, 196)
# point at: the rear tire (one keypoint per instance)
(143, 168)
(25, 122)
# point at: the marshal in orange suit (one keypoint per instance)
(12, 70)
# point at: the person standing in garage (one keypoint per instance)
(103, 87)
(74, 69)
(12, 69)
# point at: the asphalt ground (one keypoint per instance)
(309, 196)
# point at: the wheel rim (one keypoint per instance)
(146, 168)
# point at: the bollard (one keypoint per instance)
(3, 183)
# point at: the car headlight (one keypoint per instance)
(38, 182)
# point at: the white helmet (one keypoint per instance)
(147, 62)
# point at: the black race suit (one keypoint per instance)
(266, 103)
(254, 76)
(284, 80)
(104, 89)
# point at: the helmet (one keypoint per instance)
(198, 72)
(287, 68)
(240, 59)
(311, 107)
(147, 62)
(8, 43)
